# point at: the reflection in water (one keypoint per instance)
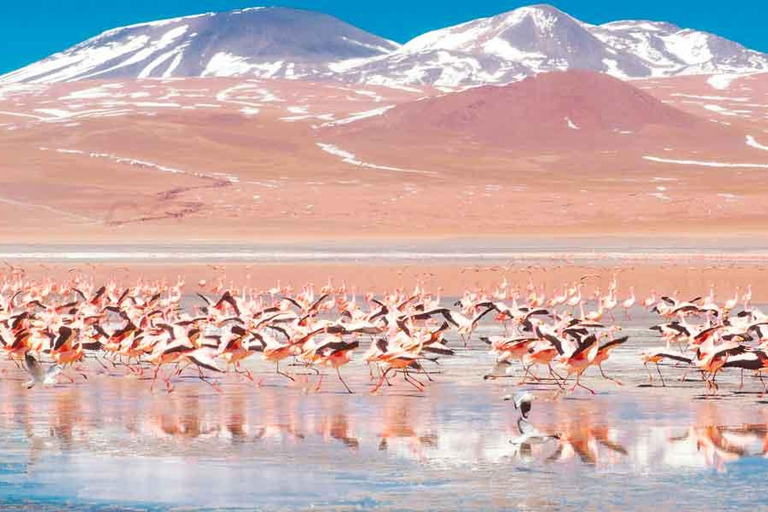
(718, 445)
(405, 428)
(174, 449)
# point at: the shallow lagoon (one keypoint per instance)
(111, 441)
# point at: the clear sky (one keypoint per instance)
(33, 29)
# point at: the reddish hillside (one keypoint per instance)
(561, 110)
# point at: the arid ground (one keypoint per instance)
(212, 160)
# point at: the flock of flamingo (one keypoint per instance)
(710, 337)
(145, 327)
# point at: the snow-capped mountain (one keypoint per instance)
(540, 38)
(257, 42)
(288, 43)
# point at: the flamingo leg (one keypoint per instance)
(240, 371)
(308, 366)
(554, 373)
(557, 378)
(181, 370)
(213, 385)
(413, 383)
(660, 375)
(607, 377)
(424, 371)
(650, 376)
(579, 384)
(408, 376)
(154, 378)
(528, 371)
(338, 373)
(386, 379)
(381, 380)
(277, 366)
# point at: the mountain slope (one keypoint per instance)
(552, 111)
(259, 42)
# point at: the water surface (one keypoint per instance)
(281, 445)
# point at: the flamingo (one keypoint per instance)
(730, 304)
(628, 303)
(656, 355)
(649, 302)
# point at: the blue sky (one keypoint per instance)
(33, 29)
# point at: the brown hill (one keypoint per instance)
(560, 110)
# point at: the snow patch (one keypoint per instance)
(297, 110)
(753, 143)
(690, 47)
(613, 69)
(360, 115)
(351, 159)
(727, 112)
(225, 64)
(729, 198)
(156, 104)
(722, 82)
(371, 94)
(85, 94)
(146, 164)
(710, 98)
(699, 163)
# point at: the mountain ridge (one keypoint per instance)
(277, 42)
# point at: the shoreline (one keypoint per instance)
(694, 278)
(457, 248)
(395, 257)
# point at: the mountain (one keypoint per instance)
(540, 38)
(296, 44)
(258, 42)
(567, 110)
